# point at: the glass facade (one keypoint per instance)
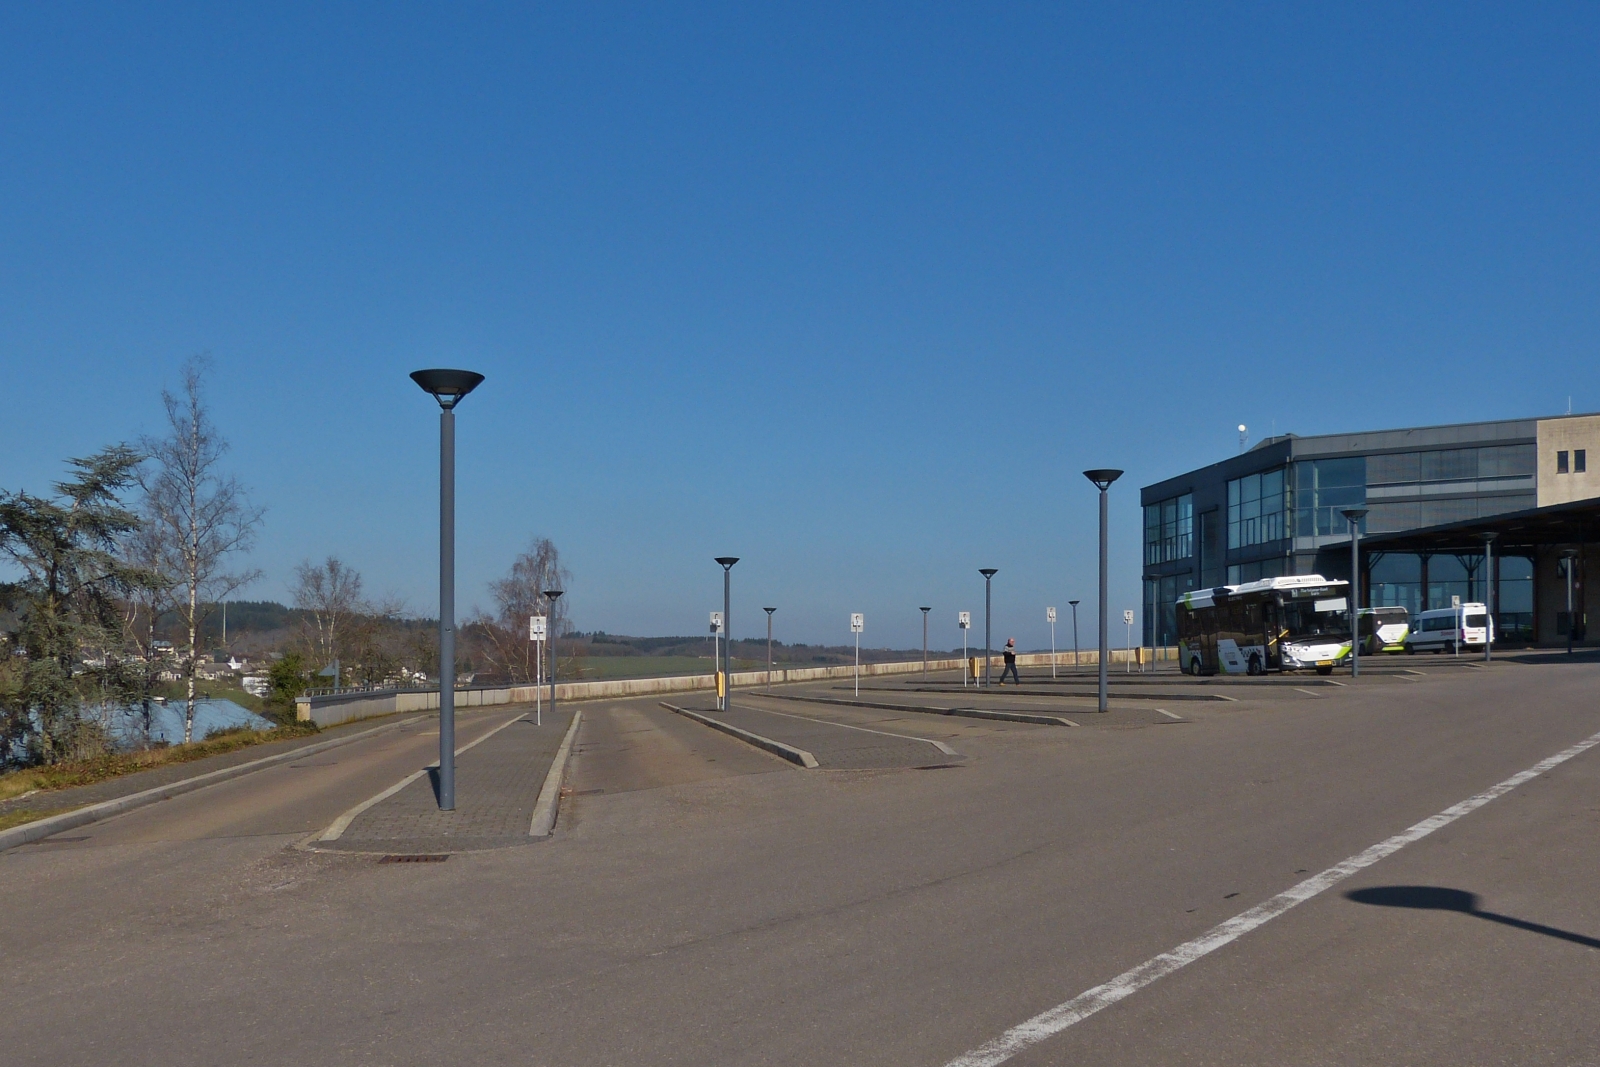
(1169, 530)
(1161, 608)
(1407, 580)
(1240, 573)
(1256, 509)
(1323, 488)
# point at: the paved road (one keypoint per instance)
(713, 905)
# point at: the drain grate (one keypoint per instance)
(417, 858)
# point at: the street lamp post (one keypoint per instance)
(769, 612)
(988, 574)
(1570, 556)
(1488, 596)
(1074, 604)
(924, 642)
(1355, 515)
(1102, 479)
(727, 628)
(552, 595)
(447, 387)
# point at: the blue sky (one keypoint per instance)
(851, 291)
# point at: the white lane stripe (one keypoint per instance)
(1168, 714)
(940, 745)
(1052, 1022)
(337, 828)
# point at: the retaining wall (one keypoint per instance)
(335, 708)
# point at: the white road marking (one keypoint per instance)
(1307, 692)
(1049, 1023)
(342, 823)
(1168, 714)
(940, 745)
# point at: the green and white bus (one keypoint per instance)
(1298, 622)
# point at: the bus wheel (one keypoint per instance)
(1255, 665)
(1194, 666)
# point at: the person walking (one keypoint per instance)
(1011, 662)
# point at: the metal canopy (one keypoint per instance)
(1557, 524)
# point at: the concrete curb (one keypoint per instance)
(70, 820)
(966, 713)
(798, 756)
(549, 802)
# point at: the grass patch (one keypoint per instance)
(8, 819)
(117, 764)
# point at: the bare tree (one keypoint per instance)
(518, 596)
(330, 593)
(200, 517)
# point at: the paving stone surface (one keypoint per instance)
(497, 786)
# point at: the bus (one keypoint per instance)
(1296, 622)
(1387, 632)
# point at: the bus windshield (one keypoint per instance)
(1301, 619)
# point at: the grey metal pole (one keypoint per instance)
(552, 595)
(1102, 480)
(925, 643)
(769, 612)
(988, 574)
(447, 610)
(1569, 556)
(1488, 597)
(1074, 604)
(727, 562)
(1354, 516)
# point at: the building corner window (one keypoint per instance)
(1580, 460)
(1561, 462)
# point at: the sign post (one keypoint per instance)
(716, 653)
(1050, 615)
(1455, 646)
(858, 623)
(536, 634)
(1127, 618)
(964, 620)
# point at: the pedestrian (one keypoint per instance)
(1011, 662)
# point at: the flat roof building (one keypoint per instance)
(1432, 494)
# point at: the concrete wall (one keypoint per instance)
(345, 707)
(1568, 435)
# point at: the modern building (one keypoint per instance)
(1433, 495)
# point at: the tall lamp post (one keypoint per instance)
(447, 387)
(769, 612)
(1074, 604)
(1488, 595)
(1570, 556)
(988, 574)
(1050, 617)
(552, 595)
(1355, 515)
(1102, 480)
(727, 628)
(924, 642)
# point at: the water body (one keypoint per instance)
(209, 715)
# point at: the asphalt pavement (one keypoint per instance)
(702, 902)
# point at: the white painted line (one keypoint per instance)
(1408, 670)
(1049, 1023)
(940, 745)
(1168, 714)
(544, 809)
(1307, 692)
(342, 823)
(1330, 681)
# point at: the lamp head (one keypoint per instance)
(988, 572)
(769, 611)
(1074, 603)
(924, 610)
(727, 561)
(1102, 478)
(1487, 537)
(447, 386)
(554, 594)
(1355, 514)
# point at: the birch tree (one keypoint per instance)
(200, 518)
(518, 596)
(330, 594)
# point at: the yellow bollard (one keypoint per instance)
(722, 684)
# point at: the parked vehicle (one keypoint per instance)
(1275, 624)
(1450, 629)
(1384, 630)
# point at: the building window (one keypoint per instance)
(1561, 463)
(1323, 488)
(1580, 461)
(1255, 509)
(1169, 529)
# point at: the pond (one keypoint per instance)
(210, 715)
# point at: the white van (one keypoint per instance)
(1446, 629)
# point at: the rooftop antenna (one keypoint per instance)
(1569, 405)
(1244, 435)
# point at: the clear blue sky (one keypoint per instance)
(851, 291)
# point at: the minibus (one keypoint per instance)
(1450, 629)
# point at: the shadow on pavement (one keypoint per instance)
(1438, 898)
